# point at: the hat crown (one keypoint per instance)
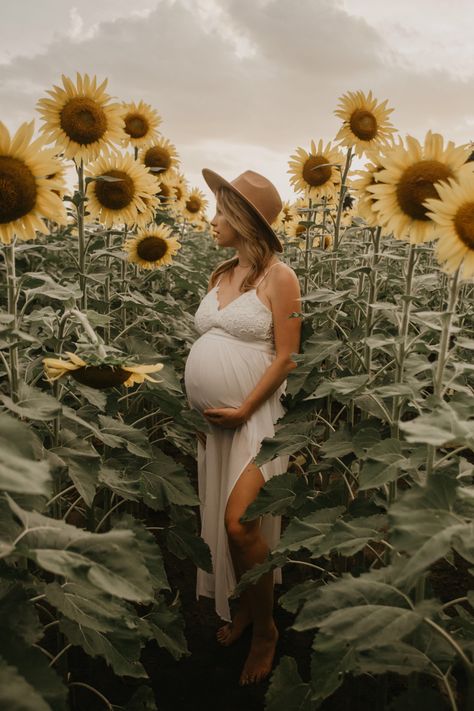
(260, 192)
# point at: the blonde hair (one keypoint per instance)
(243, 220)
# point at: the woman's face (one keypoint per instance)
(225, 235)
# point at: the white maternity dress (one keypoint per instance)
(225, 363)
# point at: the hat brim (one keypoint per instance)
(216, 181)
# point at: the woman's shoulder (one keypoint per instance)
(281, 273)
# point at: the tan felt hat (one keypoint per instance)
(258, 193)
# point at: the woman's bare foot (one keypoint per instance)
(258, 664)
(230, 632)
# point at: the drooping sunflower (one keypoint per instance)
(98, 376)
(365, 122)
(286, 215)
(161, 159)
(453, 214)
(316, 173)
(81, 119)
(129, 198)
(180, 188)
(195, 205)
(28, 191)
(152, 247)
(141, 123)
(166, 194)
(408, 178)
(360, 184)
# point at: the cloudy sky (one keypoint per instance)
(241, 83)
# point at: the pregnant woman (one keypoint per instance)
(235, 374)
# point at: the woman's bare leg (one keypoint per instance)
(231, 631)
(248, 547)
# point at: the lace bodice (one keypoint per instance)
(246, 317)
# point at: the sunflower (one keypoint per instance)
(141, 123)
(129, 199)
(28, 192)
(365, 123)
(98, 376)
(316, 172)
(153, 247)
(453, 214)
(166, 194)
(195, 205)
(80, 118)
(161, 159)
(180, 189)
(287, 214)
(360, 184)
(408, 179)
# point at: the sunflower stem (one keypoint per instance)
(401, 355)
(123, 277)
(339, 214)
(369, 324)
(307, 248)
(12, 310)
(81, 245)
(443, 357)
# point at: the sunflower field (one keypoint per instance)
(98, 490)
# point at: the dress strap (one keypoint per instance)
(273, 265)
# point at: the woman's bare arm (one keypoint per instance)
(284, 294)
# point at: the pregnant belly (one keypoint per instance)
(221, 373)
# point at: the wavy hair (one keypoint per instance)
(243, 220)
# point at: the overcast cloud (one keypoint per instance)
(241, 83)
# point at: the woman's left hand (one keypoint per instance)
(227, 417)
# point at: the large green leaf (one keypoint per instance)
(134, 439)
(21, 471)
(440, 427)
(16, 694)
(368, 626)
(32, 403)
(328, 670)
(374, 588)
(182, 539)
(91, 608)
(165, 482)
(287, 691)
(166, 626)
(82, 462)
(120, 650)
(110, 561)
(124, 481)
(308, 532)
(287, 439)
(33, 665)
(277, 495)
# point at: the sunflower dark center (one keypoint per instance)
(83, 120)
(17, 189)
(136, 125)
(157, 157)
(416, 185)
(300, 229)
(152, 248)
(100, 376)
(193, 204)
(464, 224)
(316, 170)
(115, 195)
(363, 124)
(165, 193)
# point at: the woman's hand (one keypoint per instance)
(227, 417)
